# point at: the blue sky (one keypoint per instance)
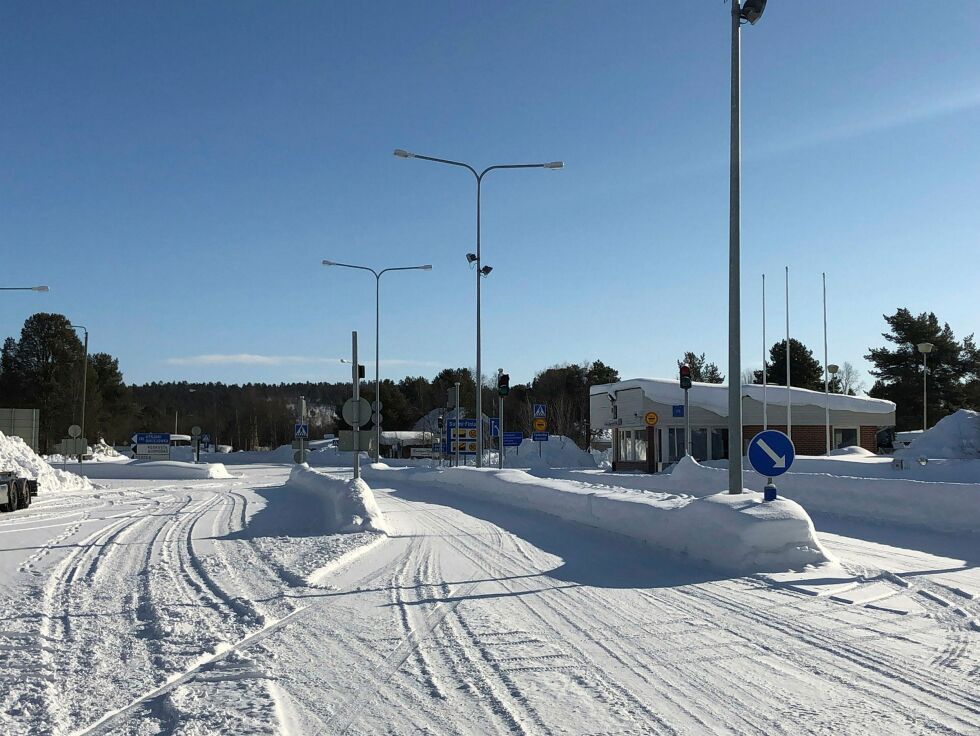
(177, 171)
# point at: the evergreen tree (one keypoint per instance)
(701, 370)
(898, 371)
(805, 370)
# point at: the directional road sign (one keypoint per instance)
(513, 439)
(464, 437)
(363, 415)
(539, 436)
(771, 453)
(494, 426)
(677, 410)
(539, 411)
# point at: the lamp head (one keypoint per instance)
(471, 257)
(40, 288)
(427, 267)
(832, 369)
(752, 10)
(486, 270)
(555, 165)
(400, 153)
(329, 263)
(925, 347)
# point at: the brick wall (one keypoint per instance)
(810, 439)
(869, 438)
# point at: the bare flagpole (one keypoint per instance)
(765, 378)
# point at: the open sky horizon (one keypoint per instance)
(177, 172)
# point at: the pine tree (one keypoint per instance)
(701, 370)
(805, 370)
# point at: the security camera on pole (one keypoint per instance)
(686, 385)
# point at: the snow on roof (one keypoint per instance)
(714, 396)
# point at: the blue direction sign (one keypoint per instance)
(539, 436)
(464, 437)
(539, 412)
(153, 438)
(494, 426)
(302, 431)
(677, 410)
(513, 439)
(771, 453)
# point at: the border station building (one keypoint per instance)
(624, 408)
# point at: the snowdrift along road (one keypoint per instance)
(738, 533)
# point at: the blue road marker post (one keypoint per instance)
(771, 453)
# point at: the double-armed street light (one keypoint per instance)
(481, 270)
(377, 337)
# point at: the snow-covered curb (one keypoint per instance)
(738, 533)
(154, 470)
(354, 507)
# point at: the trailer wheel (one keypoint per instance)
(25, 494)
(13, 497)
(6, 507)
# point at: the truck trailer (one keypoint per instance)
(16, 491)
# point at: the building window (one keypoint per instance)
(845, 437)
(699, 443)
(719, 444)
(675, 444)
(632, 445)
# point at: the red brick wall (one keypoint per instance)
(869, 438)
(812, 440)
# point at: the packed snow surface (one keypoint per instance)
(16, 455)
(956, 436)
(734, 532)
(154, 470)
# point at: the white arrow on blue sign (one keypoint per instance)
(494, 427)
(771, 453)
(302, 431)
(539, 412)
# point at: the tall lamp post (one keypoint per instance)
(84, 373)
(925, 348)
(24, 288)
(479, 268)
(377, 337)
(751, 11)
(832, 369)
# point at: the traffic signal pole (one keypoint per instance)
(356, 377)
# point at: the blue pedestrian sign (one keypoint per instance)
(771, 453)
(494, 427)
(206, 439)
(677, 410)
(539, 412)
(302, 431)
(539, 436)
(513, 439)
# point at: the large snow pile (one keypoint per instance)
(102, 449)
(739, 533)
(16, 455)
(156, 470)
(955, 437)
(557, 452)
(351, 501)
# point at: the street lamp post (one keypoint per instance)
(751, 11)
(377, 337)
(832, 370)
(24, 288)
(479, 268)
(925, 348)
(84, 373)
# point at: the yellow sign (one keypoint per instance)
(540, 425)
(651, 418)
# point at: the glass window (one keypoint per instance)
(719, 444)
(845, 437)
(676, 442)
(699, 443)
(640, 445)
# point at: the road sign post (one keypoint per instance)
(196, 434)
(771, 453)
(356, 373)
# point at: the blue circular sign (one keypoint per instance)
(771, 453)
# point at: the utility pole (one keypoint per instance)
(456, 431)
(356, 377)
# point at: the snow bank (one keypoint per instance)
(943, 506)
(954, 437)
(738, 533)
(557, 452)
(155, 470)
(16, 455)
(352, 501)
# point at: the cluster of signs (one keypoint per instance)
(152, 445)
(463, 438)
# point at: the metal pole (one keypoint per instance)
(500, 436)
(734, 275)
(687, 424)
(789, 385)
(765, 366)
(826, 372)
(925, 375)
(456, 430)
(357, 406)
(479, 373)
(377, 367)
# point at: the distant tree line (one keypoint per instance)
(43, 369)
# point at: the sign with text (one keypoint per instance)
(462, 438)
(153, 445)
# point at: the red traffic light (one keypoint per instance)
(685, 376)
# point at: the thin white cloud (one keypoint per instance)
(274, 360)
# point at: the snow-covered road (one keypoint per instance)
(152, 607)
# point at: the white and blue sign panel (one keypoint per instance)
(539, 411)
(539, 436)
(153, 438)
(677, 410)
(463, 439)
(302, 431)
(771, 453)
(494, 427)
(513, 439)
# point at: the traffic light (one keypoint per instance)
(503, 384)
(685, 376)
(360, 370)
(440, 422)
